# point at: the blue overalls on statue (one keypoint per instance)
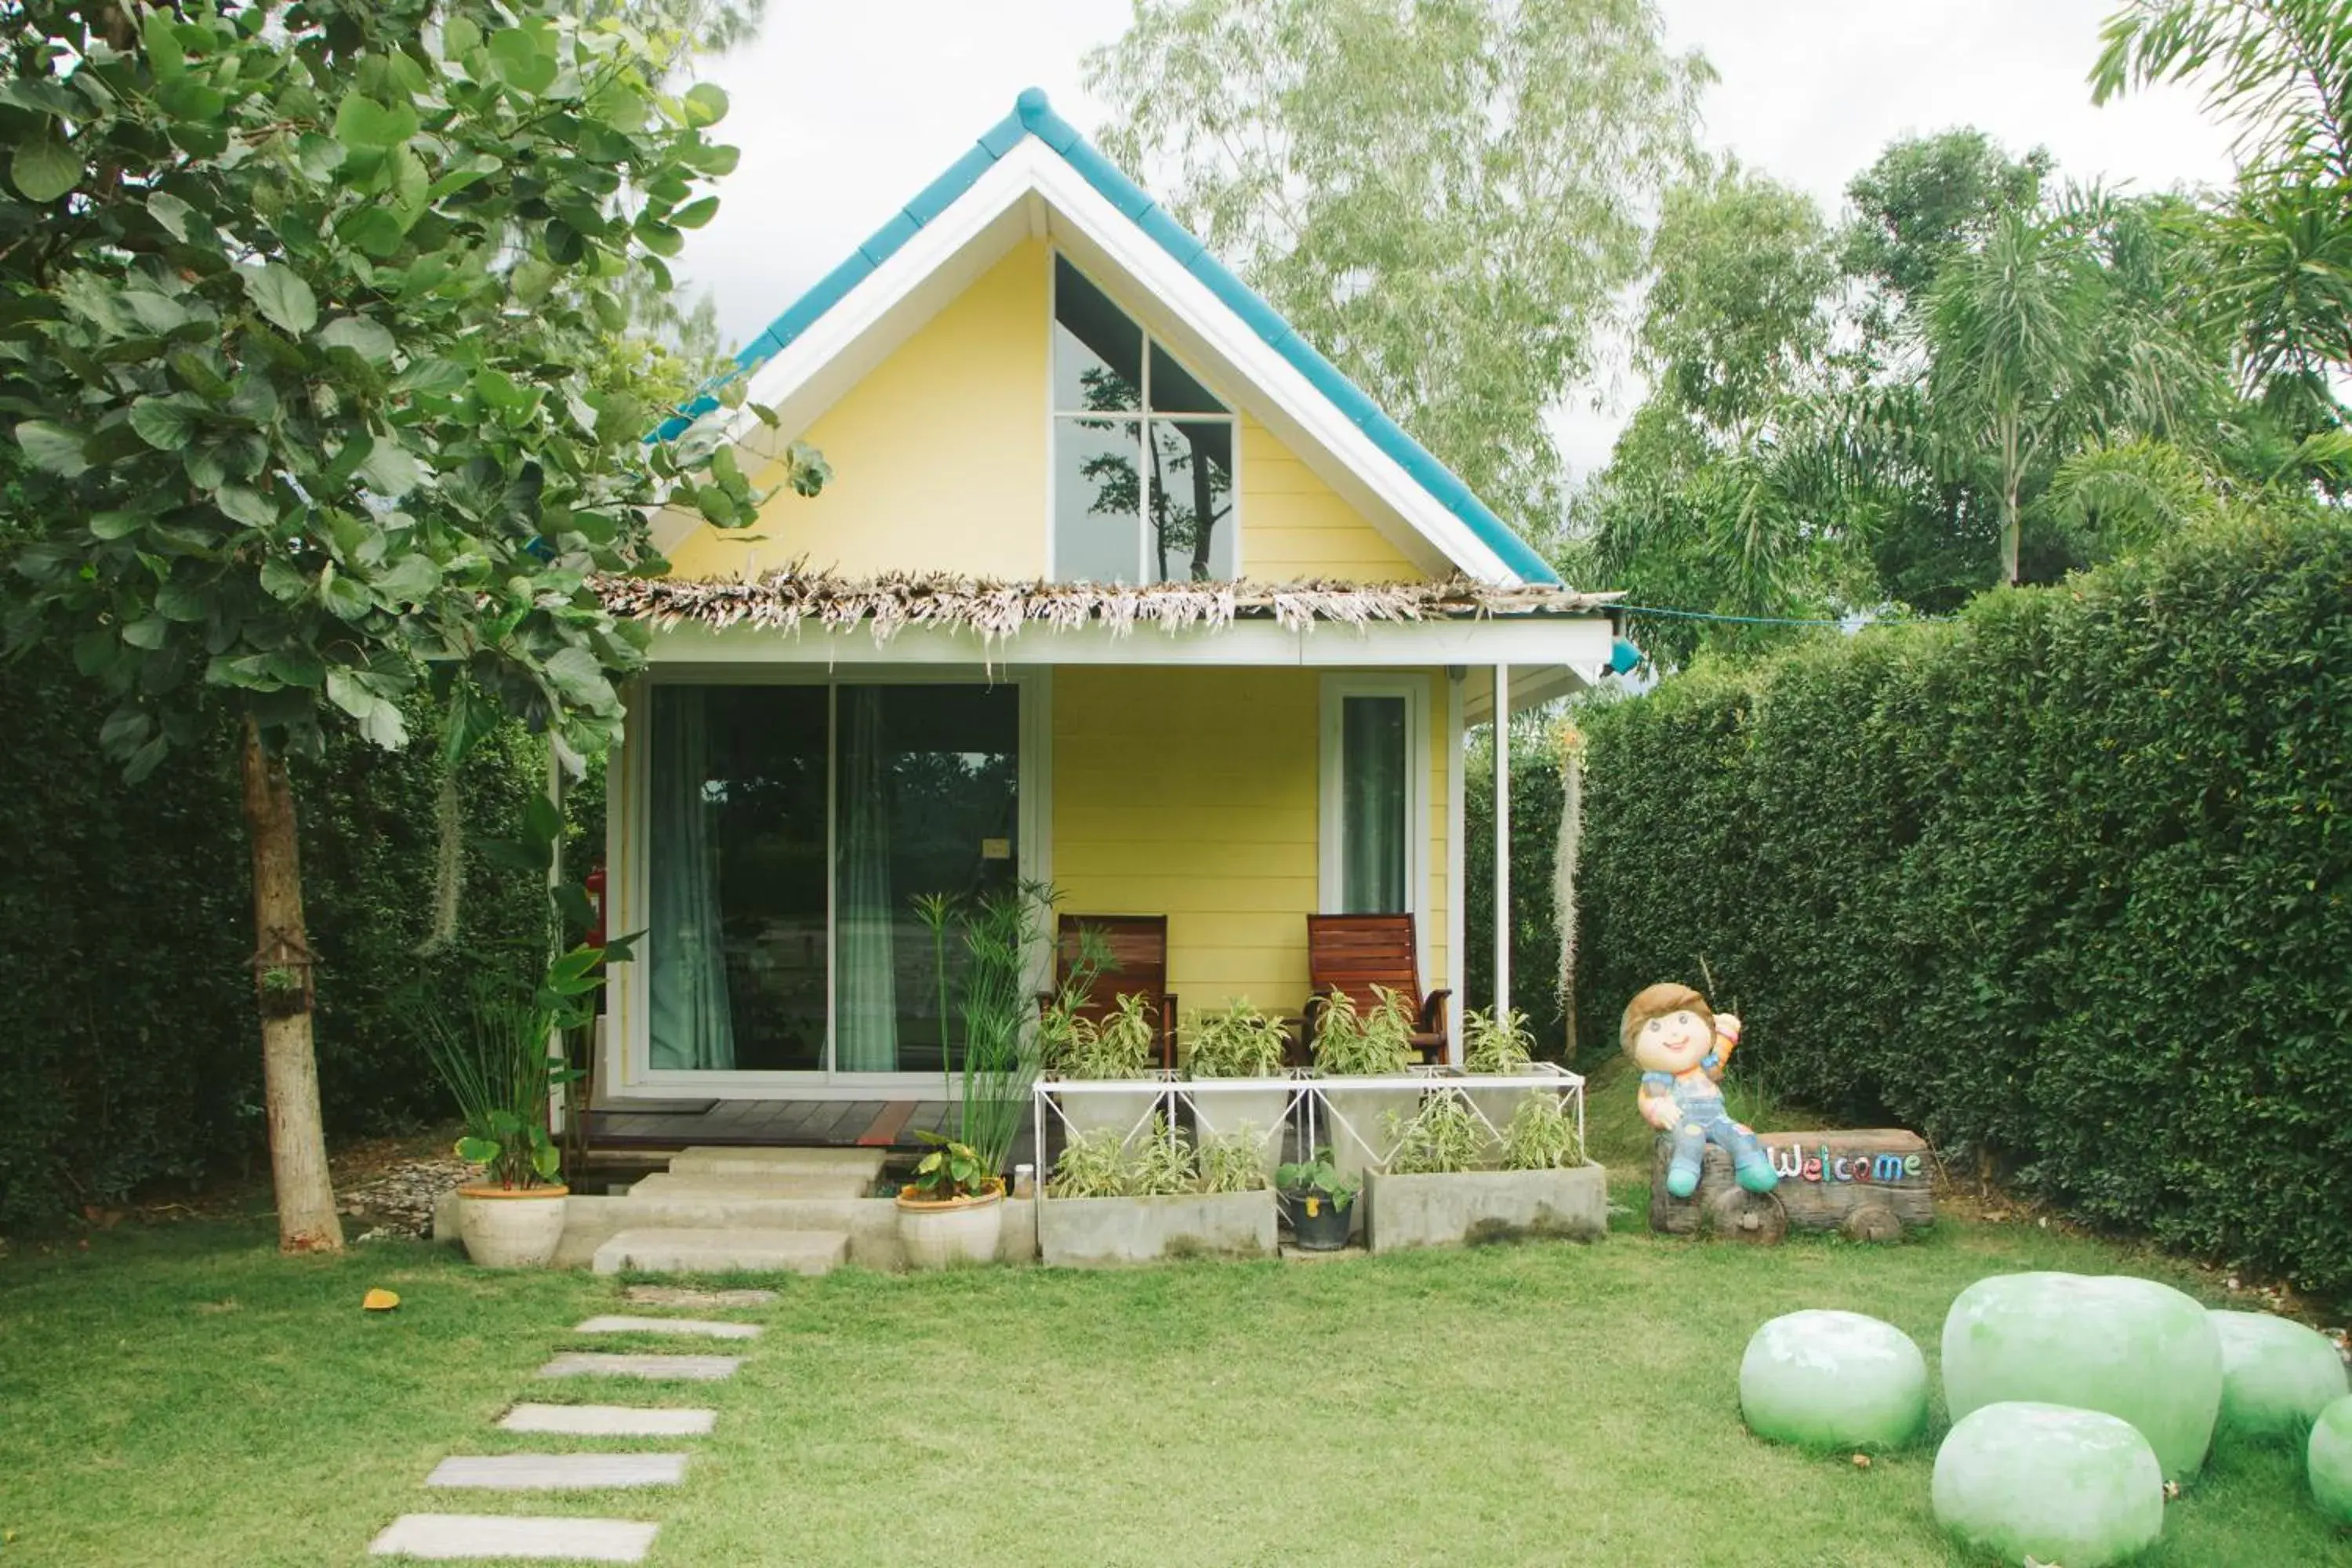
(1704, 1121)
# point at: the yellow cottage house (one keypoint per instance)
(1118, 585)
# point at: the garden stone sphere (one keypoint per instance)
(2277, 1374)
(1834, 1380)
(2051, 1483)
(2132, 1348)
(2330, 1459)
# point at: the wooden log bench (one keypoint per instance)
(1870, 1184)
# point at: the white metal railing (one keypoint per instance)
(1306, 1096)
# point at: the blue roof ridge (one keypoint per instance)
(1032, 115)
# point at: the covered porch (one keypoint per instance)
(808, 758)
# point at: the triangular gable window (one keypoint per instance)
(1143, 454)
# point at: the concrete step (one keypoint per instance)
(615, 1323)
(688, 1250)
(479, 1538)
(754, 1185)
(706, 1161)
(558, 1472)
(609, 1420)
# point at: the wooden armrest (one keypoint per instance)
(1433, 1011)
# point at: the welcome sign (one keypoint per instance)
(1869, 1182)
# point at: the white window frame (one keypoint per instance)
(627, 1065)
(1141, 419)
(1330, 839)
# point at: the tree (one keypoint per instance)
(2281, 252)
(1704, 505)
(1737, 316)
(300, 307)
(1922, 201)
(1442, 195)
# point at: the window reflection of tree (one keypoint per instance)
(1192, 483)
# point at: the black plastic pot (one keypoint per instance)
(1316, 1223)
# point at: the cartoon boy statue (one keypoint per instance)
(1682, 1047)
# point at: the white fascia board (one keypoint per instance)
(1578, 644)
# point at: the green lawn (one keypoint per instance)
(185, 1395)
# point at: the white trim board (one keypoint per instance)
(1579, 646)
(1413, 687)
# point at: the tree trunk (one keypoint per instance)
(2010, 531)
(306, 1220)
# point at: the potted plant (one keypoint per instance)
(1497, 1045)
(1114, 1200)
(953, 1210)
(501, 1062)
(1352, 1044)
(1118, 1047)
(1240, 1043)
(1435, 1193)
(1317, 1202)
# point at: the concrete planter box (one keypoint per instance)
(1094, 1233)
(1485, 1206)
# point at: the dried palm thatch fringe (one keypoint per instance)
(887, 604)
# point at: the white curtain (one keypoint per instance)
(1373, 758)
(866, 989)
(692, 1025)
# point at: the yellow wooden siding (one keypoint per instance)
(1294, 525)
(1194, 793)
(938, 455)
(940, 463)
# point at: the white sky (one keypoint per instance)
(843, 111)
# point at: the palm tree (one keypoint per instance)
(2009, 333)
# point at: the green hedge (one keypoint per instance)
(1534, 840)
(2062, 883)
(133, 1052)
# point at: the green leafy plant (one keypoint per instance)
(1318, 1176)
(1352, 1044)
(1160, 1163)
(1232, 1161)
(1092, 1165)
(952, 1170)
(1541, 1135)
(990, 1069)
(1497, 1043)
(501, 1062)
(1121, 1045)
(1240, 1042)
(1444, 1136)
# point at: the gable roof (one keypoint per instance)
(1033, 117)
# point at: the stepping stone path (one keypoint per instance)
(468, 1537)
(558, 1472)
(657, 1368)
(609, 1421)
(687, 1296)
(702, 1327)
(458, 1537)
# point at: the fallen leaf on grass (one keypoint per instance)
(1862, 1461)
(379, 1300)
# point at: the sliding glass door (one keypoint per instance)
(791, 830)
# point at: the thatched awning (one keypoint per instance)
(781, 601)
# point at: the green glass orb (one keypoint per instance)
(2059, 1485)
(2132, 1348)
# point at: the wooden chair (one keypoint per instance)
(1349, 955)
(1137, 945)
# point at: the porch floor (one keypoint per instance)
(649, 1124)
